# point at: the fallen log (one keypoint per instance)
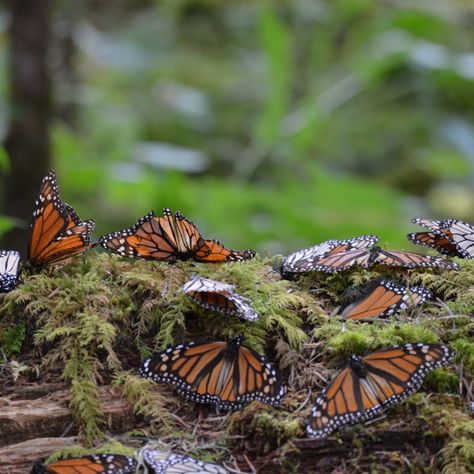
(50, 415)
(19, 458)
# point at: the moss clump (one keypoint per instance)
(267, 428)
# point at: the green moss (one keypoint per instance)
(12, 338)
(145, 401)
(267, 427)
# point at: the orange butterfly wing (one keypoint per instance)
(383, 298)
(395, 258)
(168, 238)
(93, 464)
(212, 251)
(373, 383)
(57, 233)
(218, 373)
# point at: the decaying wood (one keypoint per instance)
(50, 415)
(324, 456)
(19, 458)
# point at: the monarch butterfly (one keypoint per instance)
(57, 233)
(169, 238)
(219, 297)
(9, 261)
(170, 463)
(226, 374)
(440, 238)
(93, 464)
(373, 383)
(462, 237)
(384, 298)
(307, 259)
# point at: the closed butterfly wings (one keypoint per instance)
(93, 464)
(57, 233)
(384, 298)
(219, 297)
(329, 256)
(439, 238)
(169, 238)
(373, 383)
(170, 463)
(462, 237)
(9, 262)
(225, 374)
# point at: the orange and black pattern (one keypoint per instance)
(220, 297)
(367, 258)
(384, 298)
(439, 238)
(462, 235)
(93, 464)
(57, 233)
(169, 238)
(373, 383)
(338, 255)
(326, 254)
(225, 374)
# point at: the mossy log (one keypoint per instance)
(17, 458)
(75, 336)
(46, 412)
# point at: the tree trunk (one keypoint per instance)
(27, 141)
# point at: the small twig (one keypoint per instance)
(461, 376)
(305, 402)
(251, 466)
(446, 307)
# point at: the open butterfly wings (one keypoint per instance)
(338, 255)
(57, 232)
(384, 298)
(373, 383)
(327, 255)
(9, 262)
(225, 374)
(219, 297)
(169, 238)
(93, 464)
(169, 463)
(395, 258)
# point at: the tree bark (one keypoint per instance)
(27, 142)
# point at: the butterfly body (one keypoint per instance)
(373, 383)
(226, 374)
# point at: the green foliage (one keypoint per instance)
(11, 339)
(145, 400)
